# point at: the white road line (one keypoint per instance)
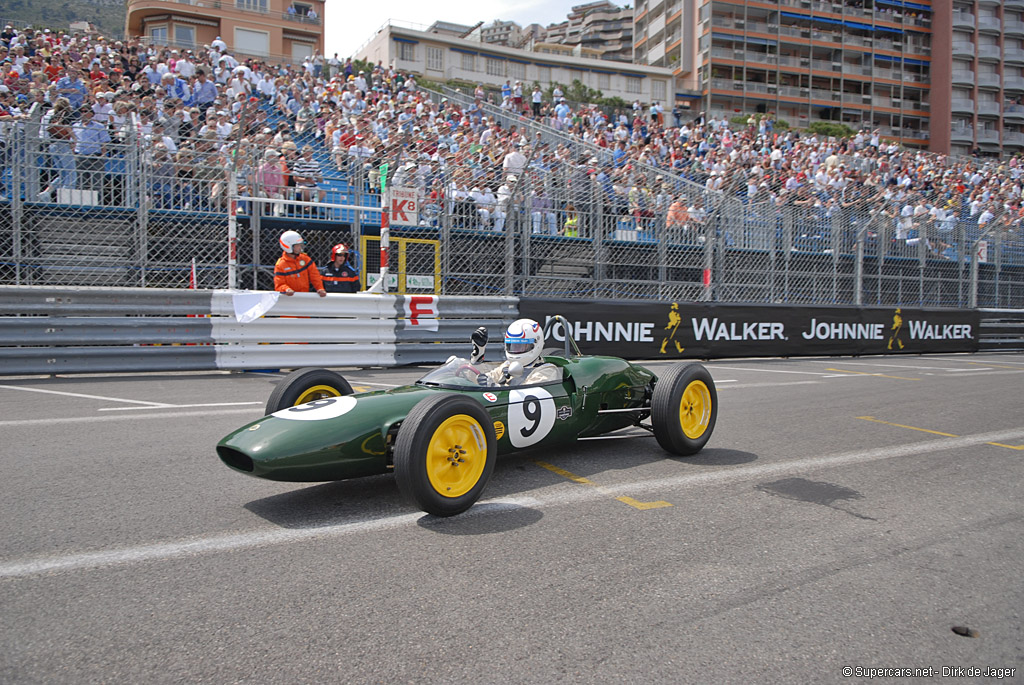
(740, 368)
(225, 543)
(895, 366)
(179, 406)
(59, 420)
(89, 397)
(564, 495)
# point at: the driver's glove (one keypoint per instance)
(479, 339)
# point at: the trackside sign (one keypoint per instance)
(404, 207)
(653, 330)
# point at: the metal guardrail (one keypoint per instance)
(1002, 329)
(106, 330)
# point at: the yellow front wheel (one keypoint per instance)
(307, 385)
(684, 408)
(445, 453)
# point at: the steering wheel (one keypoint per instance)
(468, 371)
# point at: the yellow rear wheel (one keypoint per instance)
(684, 408)
(695, 409)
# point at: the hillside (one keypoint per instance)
(106, 15)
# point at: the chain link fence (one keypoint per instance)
(555, 216)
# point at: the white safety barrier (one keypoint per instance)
(83, 330)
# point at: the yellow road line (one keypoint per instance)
(879, 375)
(926, 430)
(913, 428)
(636, 504)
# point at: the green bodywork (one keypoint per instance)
(292, 445)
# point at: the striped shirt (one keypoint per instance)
(308, 169)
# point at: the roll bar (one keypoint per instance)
(569, 341)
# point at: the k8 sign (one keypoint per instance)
(404, 207)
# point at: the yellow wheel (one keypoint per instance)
(307, 385)
(317, 392)
(445, 453)
(684, 408)
(695, 409)
(456, 456)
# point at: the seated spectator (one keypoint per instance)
(307, 174)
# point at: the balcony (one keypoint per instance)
(1013, 138)
(963, 50)
(963, 77)
(963, 20)
(1013, 82)
(1014, 113)
(301, 19)
(990, 52)
(988, 80)
(962, 134)
(988, 108)
(961, 105)
(1013, 27)
(990, 24)
(988, 135)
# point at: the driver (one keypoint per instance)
(524, 341)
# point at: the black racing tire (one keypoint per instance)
(305, 385)
(445, 454)
(684, 408)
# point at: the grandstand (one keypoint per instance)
(574, 203)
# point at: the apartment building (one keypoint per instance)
(282, 29)
(601, 26)
(978, 76)
(945, 75)
(442, 57)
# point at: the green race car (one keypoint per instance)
(442, 435)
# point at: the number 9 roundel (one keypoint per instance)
(531, 415)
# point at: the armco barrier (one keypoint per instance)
(101, 330)
(1002, 329)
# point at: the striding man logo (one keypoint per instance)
(897, 329)
(673, 327)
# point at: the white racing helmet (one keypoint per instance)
(289, 239)
(524, 341)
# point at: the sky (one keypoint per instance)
(347, 29)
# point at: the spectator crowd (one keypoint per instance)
(198, 114)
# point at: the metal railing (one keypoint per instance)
(573, 221)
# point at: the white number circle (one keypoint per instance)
(531, 414)
(318, 410)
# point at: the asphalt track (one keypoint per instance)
(847, 514)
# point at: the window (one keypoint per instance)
(300, 51)
(633, 85)
(301, 9)
(575, 75)
(158, 34)
(544, 74)
(495, 67)
(251, 5)
(604, 81)
(658, 90)
(184, 35)
(407, 52)
(517, 70)
(468, 62)
(435, 59)
(251, 42)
